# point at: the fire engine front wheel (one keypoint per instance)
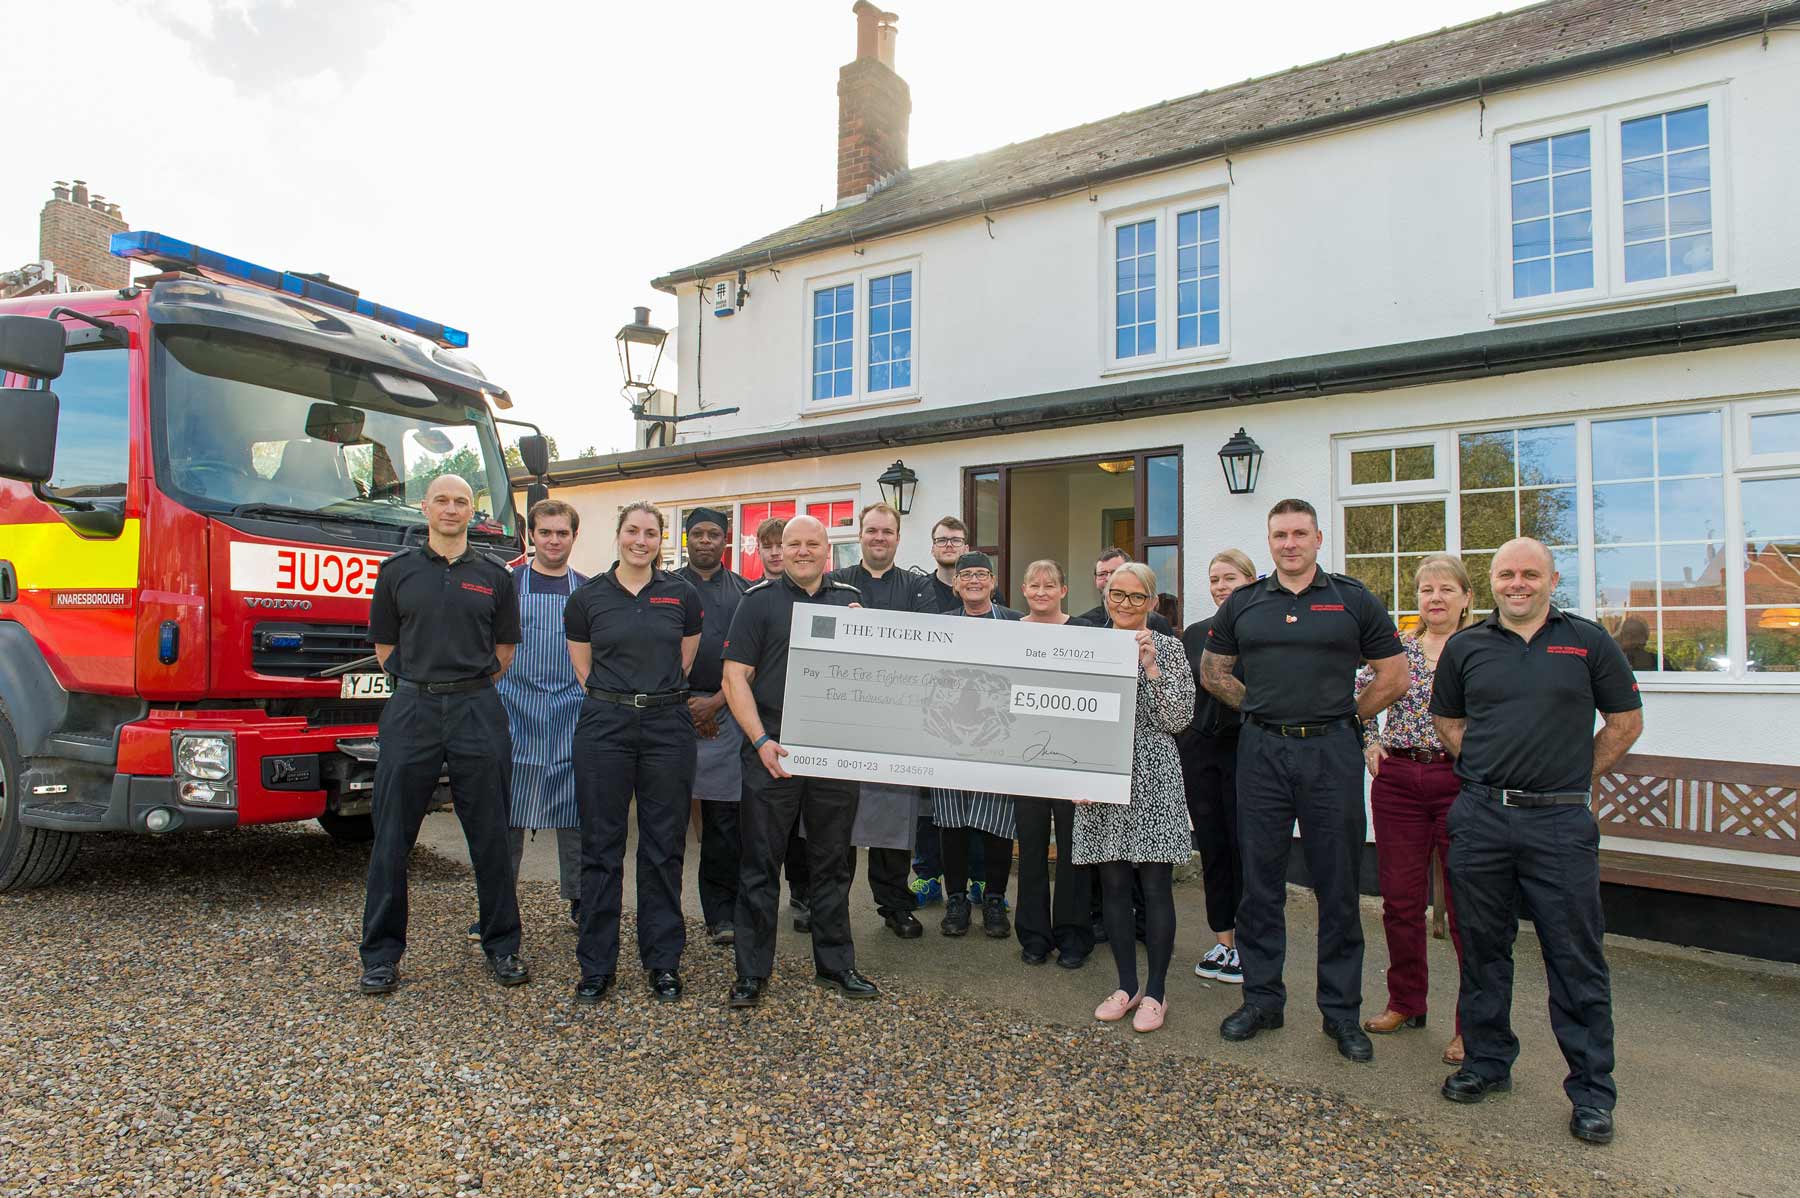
(29, 857)
(348, 829)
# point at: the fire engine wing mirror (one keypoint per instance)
(28, 451)
(335, 423)
(534, 451)
(31, 345)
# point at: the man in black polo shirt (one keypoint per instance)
(719, 772)
(1110, 559)
(886, 816)
(1299, 635)
(452, 613)
(1514, 701)
(756, 658)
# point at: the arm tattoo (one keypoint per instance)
(1215, 675)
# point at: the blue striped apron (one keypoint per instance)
(542, 697)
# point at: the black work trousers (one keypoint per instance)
(1316, 780)
(620, 753)
(719, 862)
(889, 871)
(1209, 774)
(770, 808)
(1065, 924)
(1546, 860)
(423, 737)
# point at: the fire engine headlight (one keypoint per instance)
(203, 757)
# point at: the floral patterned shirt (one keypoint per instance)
(1407, 724)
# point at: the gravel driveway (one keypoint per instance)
(180, 1018)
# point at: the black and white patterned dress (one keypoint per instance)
(1154, 825)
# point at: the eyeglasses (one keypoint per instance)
(974, 575)
(1128, 598)
(949, 540)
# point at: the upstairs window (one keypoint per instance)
(1552, 215)
(1134, 256)
(890, 332)
(864, 344)
(1197, 299)
(1665, 175)
(1163, 285)
(834, 342)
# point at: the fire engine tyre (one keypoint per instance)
(29, 857)
(348, 829)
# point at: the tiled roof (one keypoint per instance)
(1461, 62)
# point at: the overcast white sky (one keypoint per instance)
(523, 170)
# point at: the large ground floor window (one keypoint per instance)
(1678, 529)
(1068, 509)
(835, 510)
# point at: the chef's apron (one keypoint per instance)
(719, 762)
(543, 698)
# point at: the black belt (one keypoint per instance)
(1422, 756)
(665, 699)
(444, 688)
(1299, 731)
(1531, 798)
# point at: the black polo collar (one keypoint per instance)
(801, 591)
(469, 553)
(1493, 619)
(1273, 582)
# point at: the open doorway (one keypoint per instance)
(1068, 509)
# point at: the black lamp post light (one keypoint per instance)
(897, 484)
(640, 353)
(1241, 459)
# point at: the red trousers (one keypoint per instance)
(1410, 801)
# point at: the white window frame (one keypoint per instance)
(860, 395)
(1437, 439)
(1608, 197)
(1164, 213)
(1742, 413)
(675, 511)
(1737, 465)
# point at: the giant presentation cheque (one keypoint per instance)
(960, 703)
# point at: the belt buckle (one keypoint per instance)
(638, 701)
(1506, 798)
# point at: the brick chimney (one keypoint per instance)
(874, 107)
(75, 232)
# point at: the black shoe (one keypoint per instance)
(993, 917)
(1466, 1085)
(575, 912)
(1099, 930)
(956, 916)
(721, 934)
(379, 979)
(1247, 1020)
(903, 925)
(1591, 1123)
(589, 991)
(1353, 1043)
(849, 983)
(802, 917)
(475, 932)
(1069, 960)
(1031, 956)
(665, 985)
(508, 970)
(745, 992)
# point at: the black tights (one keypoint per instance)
(997, 857)
(1157, 879)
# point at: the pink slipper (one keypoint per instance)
(1117, 1006)
(1149, 1015)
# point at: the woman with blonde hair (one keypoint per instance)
(1414, 784)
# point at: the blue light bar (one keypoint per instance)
(161, 250)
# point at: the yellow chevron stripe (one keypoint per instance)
(54, 557)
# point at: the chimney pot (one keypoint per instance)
(81, 192)
(98, 203)
(874, 107)
(59, 190)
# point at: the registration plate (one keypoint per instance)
(365, 686)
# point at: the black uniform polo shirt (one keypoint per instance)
(936, 597)
(445, 616)
(636, 638)
(1530, 706)
(759, 633)
(719, 597)
(1299, 652)
(897, 590)
(1096, 617)
(1212, 717)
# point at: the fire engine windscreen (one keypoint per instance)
(242, 420)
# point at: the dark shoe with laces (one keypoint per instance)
(589, 991)
(379, 979)
(849, 983)
(665, 985)
(903, 925)
(956, 916)
(1466, 1085)
(508, 970)
(1352, 1042)
(745, 992)
(993, 917)
(1591, 1123)
(1247, 1020)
